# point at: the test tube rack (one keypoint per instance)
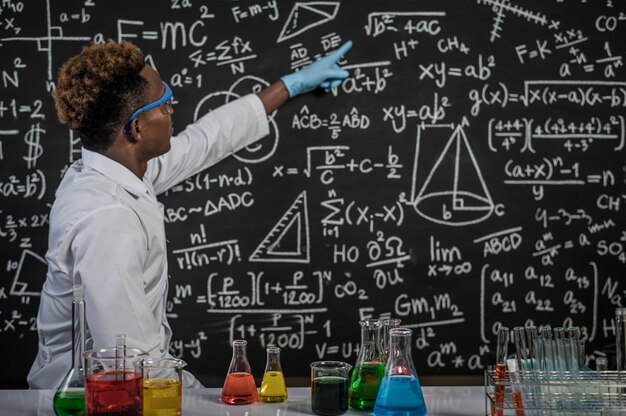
(530, 393)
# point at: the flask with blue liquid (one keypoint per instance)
(400, 392)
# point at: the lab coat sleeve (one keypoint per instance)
(109, 248)
(213, 137)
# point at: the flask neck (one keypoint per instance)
(239, 362)
(369, 349)
(401, 344)
(78, 333)
(385, 338)
(400, 361)
(273, 361)
(239, 351)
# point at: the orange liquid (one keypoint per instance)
(500, 374)
(239, 388)
(517, 402)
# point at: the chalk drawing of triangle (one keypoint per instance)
(288, 240)
(304, 16)
(31, 271)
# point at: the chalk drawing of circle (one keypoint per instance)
(454, 208)
(265, 147)
(254, 153)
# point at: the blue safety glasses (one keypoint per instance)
(166, 108)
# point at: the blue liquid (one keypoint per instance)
(400, 396)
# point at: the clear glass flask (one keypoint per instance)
(239, 387)
(273, 388)
(69, 398)
(369, 368)
(386, 324)
(400, 392)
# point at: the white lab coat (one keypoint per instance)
(107, 232)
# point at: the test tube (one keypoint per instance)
(581, 354)
(515, 386)
(562, 351)
(563, 362)
(574, 338)
(604, 393)
(532, 335)
(500, 374)
(620, 338)
(519, 335)
(120, 351)
(549, 353)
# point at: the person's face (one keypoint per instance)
(156, 123)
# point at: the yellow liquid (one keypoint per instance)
(273, 389)
(161, 397)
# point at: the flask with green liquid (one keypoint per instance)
(273, 388)
(69, 399)
(369, 368)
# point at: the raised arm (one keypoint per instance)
(323, 73)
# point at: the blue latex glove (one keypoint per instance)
(324, 73)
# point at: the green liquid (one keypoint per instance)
(69, 403)
(366, 380)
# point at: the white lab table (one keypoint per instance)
(440, 401)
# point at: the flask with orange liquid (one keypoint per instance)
(239, 387)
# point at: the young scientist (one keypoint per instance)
(106, 226)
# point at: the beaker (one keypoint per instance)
(162, 385)
(273, 388)
(329, 387)
(400, 392)
(239, 386)
(369, 368)
(69, 398)
(112, 384)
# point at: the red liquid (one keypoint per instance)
(239, 388)
(499, 375)
(114, 394)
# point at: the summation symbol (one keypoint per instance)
(288, 241)
(35, 150)
(501, 7)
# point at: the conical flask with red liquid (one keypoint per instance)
(239, 387)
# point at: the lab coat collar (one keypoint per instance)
(114, 171)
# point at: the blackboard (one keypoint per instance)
(469, 174)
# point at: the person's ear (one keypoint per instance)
(135, 130)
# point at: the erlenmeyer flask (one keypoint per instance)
(400, 392)
(273, 388)
(239, 387)
(386, 324)
(369, 368)
(69, 398)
